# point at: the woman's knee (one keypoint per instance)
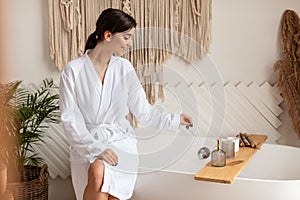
(96, 174)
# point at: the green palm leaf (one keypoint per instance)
(28, 115)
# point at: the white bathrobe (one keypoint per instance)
(94, 118)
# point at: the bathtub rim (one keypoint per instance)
(238, 178)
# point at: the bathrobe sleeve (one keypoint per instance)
(73, 122)
(146, 113)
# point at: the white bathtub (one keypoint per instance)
(272, 174)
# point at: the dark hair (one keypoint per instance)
(113, 20)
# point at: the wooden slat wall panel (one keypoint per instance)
(253, 98)
(268, 100)
(245, 110)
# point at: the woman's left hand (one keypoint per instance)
(186, 120)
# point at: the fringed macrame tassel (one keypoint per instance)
(133, 121)
(174, 15)
(161, 94)
(152, 94)
(67, 14)
(79, 29)
(126, 7)
(131, 118)
(196, 10)
(51, 29)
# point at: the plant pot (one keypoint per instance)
(35, 186)
(3, 178)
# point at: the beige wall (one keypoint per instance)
(27, 44)
(246, 40)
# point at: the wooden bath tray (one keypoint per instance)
(233, 166)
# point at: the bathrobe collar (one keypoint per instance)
(105, 90)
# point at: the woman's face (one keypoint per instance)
(121, 42)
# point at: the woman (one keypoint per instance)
(97, 91)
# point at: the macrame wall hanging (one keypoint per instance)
(72, 21)
(289, 66)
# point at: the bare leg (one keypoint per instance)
(95, 180)
(112, 198)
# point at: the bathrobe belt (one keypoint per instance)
(107, 133)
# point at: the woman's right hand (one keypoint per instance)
(186, 120)
(109, 156)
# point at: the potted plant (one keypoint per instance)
(27, 116)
